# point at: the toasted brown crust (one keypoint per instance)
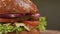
(17, 6)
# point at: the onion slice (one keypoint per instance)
(10, 15)
(35, 16)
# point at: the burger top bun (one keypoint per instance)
(17, 6)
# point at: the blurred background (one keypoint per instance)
(50, 9)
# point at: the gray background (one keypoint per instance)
(50, 9)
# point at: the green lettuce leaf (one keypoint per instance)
(42, 24)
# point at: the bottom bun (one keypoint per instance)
(34, 31)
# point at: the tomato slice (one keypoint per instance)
(32, 23)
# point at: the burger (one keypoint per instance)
(20, 17)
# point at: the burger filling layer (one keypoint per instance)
(19, 22)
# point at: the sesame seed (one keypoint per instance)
(9, 0)
(4, 4)
(23, 8)
(0, 1)
(0, 6)
(13, 8)
(3, 0)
